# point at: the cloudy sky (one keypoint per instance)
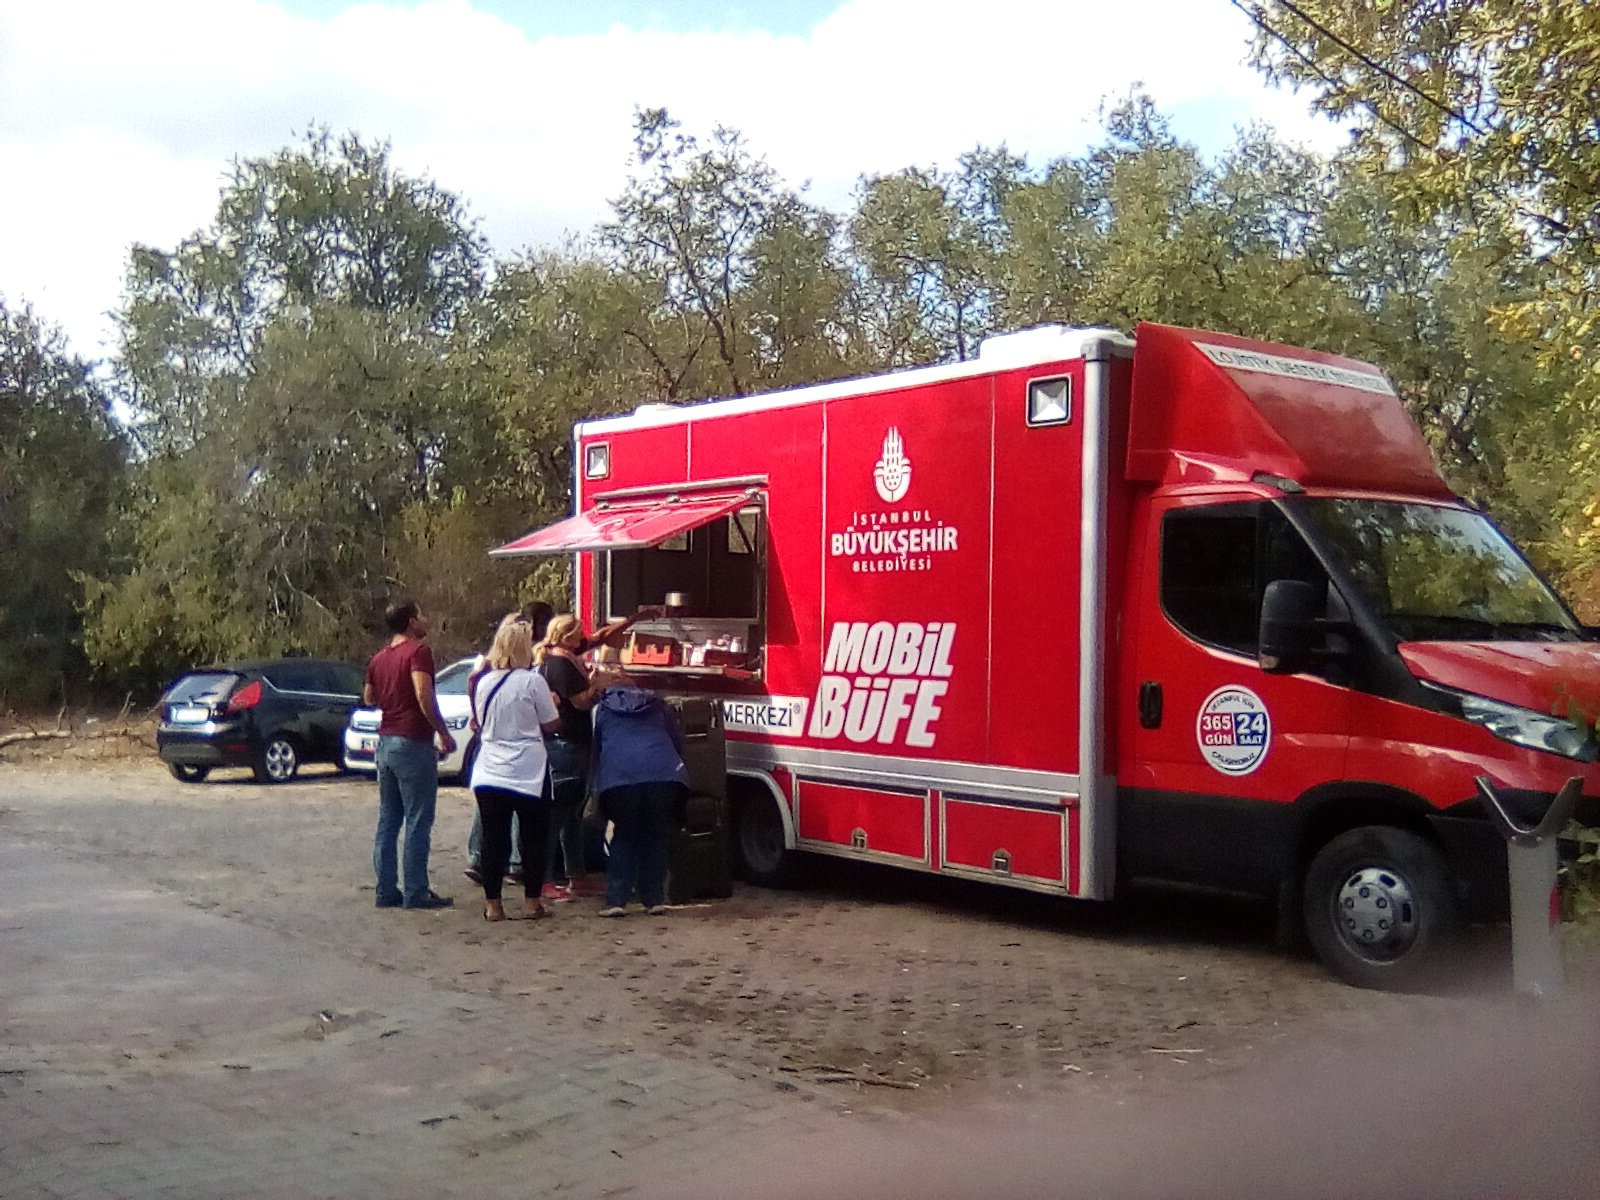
(118, 120)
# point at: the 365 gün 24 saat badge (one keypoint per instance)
(1234, 730)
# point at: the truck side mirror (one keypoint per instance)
(1289, 625)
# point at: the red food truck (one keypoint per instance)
(1090, 610)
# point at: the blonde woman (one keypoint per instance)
(576, 691)
(513, 710)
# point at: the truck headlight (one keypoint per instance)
(1527, 727)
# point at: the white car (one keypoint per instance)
(450, 685)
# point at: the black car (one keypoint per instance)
(268, 716)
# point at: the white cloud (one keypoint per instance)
(118, 121)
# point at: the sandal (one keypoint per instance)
(533, 910)
(497, 913)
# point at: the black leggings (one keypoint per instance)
(533, 830)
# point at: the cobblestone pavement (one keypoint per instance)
(198, 999)
(152, 1049)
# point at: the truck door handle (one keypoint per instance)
(1150, 704)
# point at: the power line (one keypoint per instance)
(1338, 86)
(1326, 78)
(1370, 63)
(1559, 227)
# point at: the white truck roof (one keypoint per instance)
(1002, 352)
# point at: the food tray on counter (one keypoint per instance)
(675, 669)
(651, 650)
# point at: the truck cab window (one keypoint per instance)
(1216, 562)
(1435, 572)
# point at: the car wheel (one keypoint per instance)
(278, 761)
(1378, 907)
(187, 773)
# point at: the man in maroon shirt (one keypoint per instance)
(400, 682)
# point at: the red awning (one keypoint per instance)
(630, 524)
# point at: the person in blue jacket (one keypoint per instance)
(641, 779)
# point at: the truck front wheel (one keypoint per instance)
(1378, 907)
(759, 844)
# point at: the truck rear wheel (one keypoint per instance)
(1378, 907)
(758, 844)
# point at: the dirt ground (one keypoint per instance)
(886, 989)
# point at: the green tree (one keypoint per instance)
(1483, 104)
(1484, 109)
(734, 275)
(1276, 243)
(62, 458)
(328, 221)
(561, 336)
(711, 279)
(926, 245)
(293, 388)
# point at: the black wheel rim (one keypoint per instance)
(761, 837)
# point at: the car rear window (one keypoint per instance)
(320, 678)
(346, 680)
(202, 686)
(295, 677)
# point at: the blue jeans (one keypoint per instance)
(408, 791)
(642, 817)
(569, 780)
(564, 859)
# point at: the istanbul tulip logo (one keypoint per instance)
(892, 473)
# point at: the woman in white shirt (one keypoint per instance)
(514, 711)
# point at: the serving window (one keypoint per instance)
(697, 552)
(711, 582)
(715, 569)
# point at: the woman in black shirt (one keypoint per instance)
(576, 690)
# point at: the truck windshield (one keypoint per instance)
(1433, 573)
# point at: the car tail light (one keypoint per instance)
(246, 697)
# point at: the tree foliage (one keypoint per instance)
(337, 397)
(329, 222)
(733, 275)
(1484, 111)
(927, 246)
(292, 385)
(62, 457)
(1488, 103)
